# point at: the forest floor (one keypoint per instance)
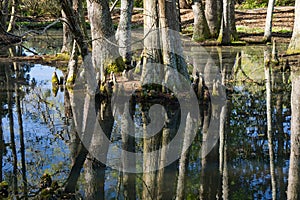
(250, 23)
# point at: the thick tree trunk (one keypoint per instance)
(294, 46)
(104, 49)
(124, 30)
(201, 30)
(293, 191)
(213, 14)
(172, 51)
(269, 19)
(152, 48)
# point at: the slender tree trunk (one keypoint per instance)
(201, 30)
(12, 132)
(293, 191)
(67, 36)
(294, 46)
(14, 10)
(269, 20)
(22, 143)
(124, 30)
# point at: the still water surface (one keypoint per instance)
(238, 167)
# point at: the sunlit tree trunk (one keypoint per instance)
(12, 21)
(172, 51)
(269, 122)
(105, 53)
(293, 191)
(269, 20)
(124, 30)
(152, 56)
(67, 36)
(294, 46)
(201, 30)
(213, 14)
(227, 31)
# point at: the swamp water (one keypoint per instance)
(38, 137)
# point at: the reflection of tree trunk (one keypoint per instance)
(22, 145)
(94, 174)
(128, 145)
(293, 191)
(269, 122)
(279, 81)
(11, 129)
(149, 161)
(190, 126)
(223, 149)
(1, 149)
(166, 174)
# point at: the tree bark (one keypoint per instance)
(213, 14)
(201, 30)
(104, 50)
(124, 30)
(184, 4)
(269, 19)
(293, 191)
(14, 10)
(227, 31)
(67, 36)
(294, 46)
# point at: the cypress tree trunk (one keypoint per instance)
(213, 14)
(294, 46)
(104, 48)
(201, 29)
(124, 30)
(293, 191)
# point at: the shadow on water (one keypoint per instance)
(42, 154)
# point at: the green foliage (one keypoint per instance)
(40, 8)
(250, 4)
